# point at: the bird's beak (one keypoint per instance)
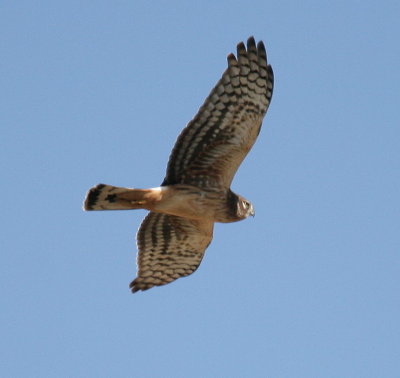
(252, 212)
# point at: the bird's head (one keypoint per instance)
(244, 208)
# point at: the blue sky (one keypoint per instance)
(98, 92)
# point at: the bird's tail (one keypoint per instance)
(108, 197)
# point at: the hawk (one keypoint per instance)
(196, 190)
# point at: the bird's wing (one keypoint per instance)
(169, 247)
(211, 147)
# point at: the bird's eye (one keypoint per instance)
(245, 204)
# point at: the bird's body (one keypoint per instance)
(182, 200)
(196, 190)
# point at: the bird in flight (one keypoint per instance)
(196, 193)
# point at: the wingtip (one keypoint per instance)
(232, 61)
(241, 49)
(261, 48)
(251, 41)
(136, 285)
(231, 56)
(133, 288)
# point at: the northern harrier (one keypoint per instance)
(196, 191)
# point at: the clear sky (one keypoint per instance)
(98, 92)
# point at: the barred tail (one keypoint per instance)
(108, 197)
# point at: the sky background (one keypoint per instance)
(98, 92)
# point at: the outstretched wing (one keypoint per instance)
(170, 247)
(211, 147)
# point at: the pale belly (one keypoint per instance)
(191, 202)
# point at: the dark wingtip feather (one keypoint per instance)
(241, 49)
(231, 57)
(251, 42)
(261, 48)
(136, 286)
